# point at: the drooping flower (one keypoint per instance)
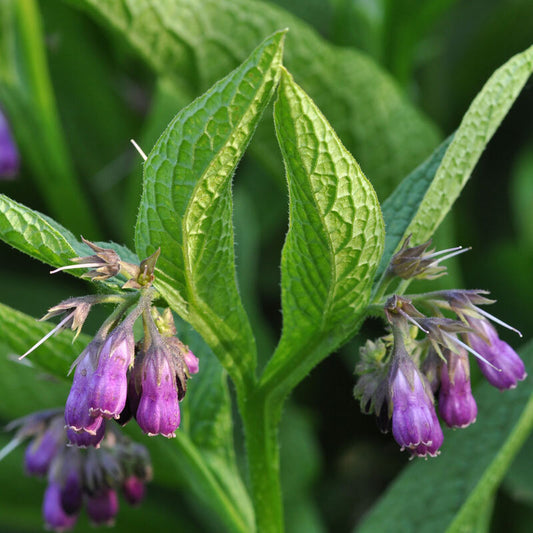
(109, 383)
(102, 506)
(414, 422)
(508, 368)
(77, 415)
(43, 449)
(457, 406)
(54, 514)
(158, 411)
(133, 489)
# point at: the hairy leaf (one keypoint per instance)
(334, 242)
(186, 206)
(449, 491)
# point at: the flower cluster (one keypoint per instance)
(115, 376)
(76, 476)
(401, 374)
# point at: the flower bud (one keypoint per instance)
(43, 449)
(77, 415)
(414, 421)
(102, 506)
(457, 406)
(109, 383)
(54, 515)
(133, 489)
(192, 362)
(158, 411)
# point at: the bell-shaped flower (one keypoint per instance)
(109, 383)
(414, 422)
(77, 415)
(457, 406)
(102, 506)
(507, 368)
(54, 514)
(44, 448)
(133, 489)
(158, 411)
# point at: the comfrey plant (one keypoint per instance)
(342, 249)
(116, 377)
(401, 373)
(76, 476)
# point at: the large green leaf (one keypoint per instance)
(198, 41)
(334, 242)
(446, 494)
(186, 206)
(201, 455)
(27, 97)
(476, 129)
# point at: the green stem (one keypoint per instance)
(261, 414)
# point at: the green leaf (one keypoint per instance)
(448, 492)
(44, 239)
(402, 205)
(186, 206)
(477, 127)
(334, 242)
(198, 42)
(27, 97)
(36, 234)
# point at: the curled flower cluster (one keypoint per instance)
(76, 476)
(401, 374)
(115, 377)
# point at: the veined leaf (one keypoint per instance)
(334, 242)
(446, 494)
(477, 127)
(198, 41)
(186, 206)
(45, 239)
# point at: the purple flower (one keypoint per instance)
(84, 439)
(457, 406)
(54, 515)
(77, 415)
(192, 362)
(102, 506)
(44, 448)
(509, 368)
(9, 157)
(158, 411)
(414, 421)
(109, 383)
(133, 490)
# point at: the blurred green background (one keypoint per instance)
(405, 73)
